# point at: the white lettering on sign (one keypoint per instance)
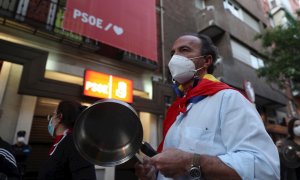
(121, 90)
(108, 27)
(95, 87)
(96, 21)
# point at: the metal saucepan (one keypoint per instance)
(288, 154)
(109, 133)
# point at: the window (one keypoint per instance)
(240, 52)
(273, 4)
(256, 62)
(243, 54)
(253, 23)
(261, 63)
(233, 8)
(200, 4)
(240, 14)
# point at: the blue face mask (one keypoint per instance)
(51, 127)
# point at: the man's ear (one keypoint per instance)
(208, 61)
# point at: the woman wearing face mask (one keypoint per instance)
(64, 160)
(22, 151)
(290, 170)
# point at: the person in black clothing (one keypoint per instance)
(64, 161)
(8, 165)
(22, 151)
(290, 168)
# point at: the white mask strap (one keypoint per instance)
(199, 69)
(197, 57)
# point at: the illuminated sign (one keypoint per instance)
(107, 86)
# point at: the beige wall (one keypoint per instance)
(11, 103)
(149, 123)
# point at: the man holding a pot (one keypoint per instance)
(211, 131)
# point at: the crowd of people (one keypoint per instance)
(211, 131)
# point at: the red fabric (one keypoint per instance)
(127, 25)
(57, 139)
(205, 87)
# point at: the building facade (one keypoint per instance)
(232, 25)
(275, 10)
(41, 64)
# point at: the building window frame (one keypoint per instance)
(233, 8)
(200, 4)
(244, 16)
(245, 55)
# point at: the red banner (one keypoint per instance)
(126, 24)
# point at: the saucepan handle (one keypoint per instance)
(147, 149)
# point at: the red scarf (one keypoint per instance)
(57, 140)
(208, 86)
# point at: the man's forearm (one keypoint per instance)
(213, 168)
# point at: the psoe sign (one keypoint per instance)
(107, 86)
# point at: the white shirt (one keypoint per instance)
(228, 126)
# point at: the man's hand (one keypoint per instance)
(172, 162)
(145, 171)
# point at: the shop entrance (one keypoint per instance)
(27, 97)
(40, 140)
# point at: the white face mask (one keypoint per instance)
(297, 131)
(21, 139)
(182, 68)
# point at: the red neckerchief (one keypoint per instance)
(57, 140)
(207, 86)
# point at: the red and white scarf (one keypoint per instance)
(207, 86)
(57, 140)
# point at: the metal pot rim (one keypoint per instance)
(90, 142)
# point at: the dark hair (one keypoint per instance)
(291, 128)
(70, 110)
(207, 48)
(21, 133)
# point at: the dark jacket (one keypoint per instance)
(8, 165)
(21, 152)
(66, 163)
